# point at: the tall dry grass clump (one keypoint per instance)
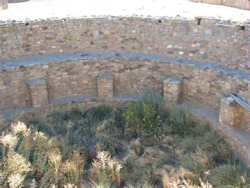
(106, 169)
(181, 182)
(30, 158)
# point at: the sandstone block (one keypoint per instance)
(230, 113)
(3, 4)
(38, 92)
(172, 89)
(105, 86)
(243, 4)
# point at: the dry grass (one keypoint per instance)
(72, 149)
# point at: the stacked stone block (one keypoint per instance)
(105, 85)
(243, 4)
(3, 4)
(162, 37)
(231, 113)
(38, 92)
(172, 88)
(79, 77)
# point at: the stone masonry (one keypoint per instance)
(206, 40)
(105, 84)
(172, 89)
(234, 115)
(243, 4)
(107, 58)
(38, 92)
(3, 4)
(229, 112)
(76, 74)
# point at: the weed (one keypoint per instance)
(180, 120)
(101, 185)
(105, 168)
(228, 175)
(66, 149)
(143, 116)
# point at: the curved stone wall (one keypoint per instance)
(214, 41)
(243, 4)
(44, 64)
(63, 58)
(75, 74)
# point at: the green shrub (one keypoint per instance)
(131, 171)
(143, 117)
(180, 119)
(216, 147)
(228, 175)
(98, 113)
(60, 150)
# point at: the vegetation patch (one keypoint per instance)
(142, 145)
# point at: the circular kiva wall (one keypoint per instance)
(51, 62)
(209, 56)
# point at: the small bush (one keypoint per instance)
(143, 116)
(106, 169)
(180, 120)
(216, 147)
(131, 171)
(228, 175)
(31, 156)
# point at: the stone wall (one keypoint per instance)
(121, 56)
(205, 40)
(114, 74)
(3, 4)
(243, 4)
(45, 65)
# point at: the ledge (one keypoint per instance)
(88, 55)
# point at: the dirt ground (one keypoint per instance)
(43, 9)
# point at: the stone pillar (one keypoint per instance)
(3, 4)
(230, 112)
(172, 88)
(38, 92)
(105, 86)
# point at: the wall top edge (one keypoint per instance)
(205, 20)
(90, 55)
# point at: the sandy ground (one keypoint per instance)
(43, 9)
